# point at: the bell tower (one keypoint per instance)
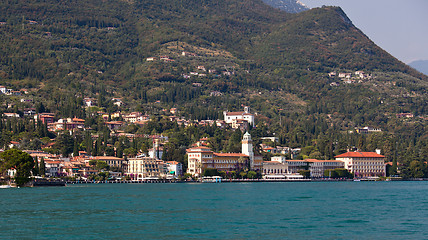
(247, 148)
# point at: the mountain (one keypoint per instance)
(420, 65)
(290, 6)
(205, 56)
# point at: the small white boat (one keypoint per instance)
(4, 186)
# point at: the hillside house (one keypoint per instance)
(229, 117)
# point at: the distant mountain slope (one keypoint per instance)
(93, 46)
(324, 38)
(290, 6)
(420, 65)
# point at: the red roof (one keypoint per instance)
(173, 162)
(78, 120)
(360, 155)
(230, 155)
(237, 113)
(107, 158)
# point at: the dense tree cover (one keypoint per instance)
(338, 173)
(22, 162)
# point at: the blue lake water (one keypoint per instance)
(313, 210)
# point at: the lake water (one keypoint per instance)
(312, 210)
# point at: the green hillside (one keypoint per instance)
(276, 62)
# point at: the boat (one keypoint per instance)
(213, 179)
(5, 186)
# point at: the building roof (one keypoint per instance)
(360, 155)
(237, 113)
(199, 149)
(78, 120)
(107, 158)
(230, 155)
(316, 160)
(271, 162)
(173, 162)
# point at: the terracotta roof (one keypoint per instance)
(52, 162)
(237, 113)
(316, 160)
(199, 149)
(173, 162)
(115, 123)
(271, 162)
(230, 155)
(107, 158)
(360, 155)
(78, 120)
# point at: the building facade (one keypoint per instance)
(364, 164)
(200, 158)
(145, 167)
(230, 117)
(275, 168)
(317, 167)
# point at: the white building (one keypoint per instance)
(275, 168)
(364, 164)
(280, 159)
(3, 89)
(317, 167)
(247, 148)
(157, 151)
(229, 117)
(145, 167)
(174, 168)
(200, 158)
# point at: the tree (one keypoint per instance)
(65, 143)
(305, 173)
(251, 174)
(102, 165)
(42, 167)
(211, 172)
(22, 162)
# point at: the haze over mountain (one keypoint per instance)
(290, 6)
(420, 65)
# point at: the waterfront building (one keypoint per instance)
(200, 158)
(364, 164)
(145, 167)
(279, 165)
(247, 148)
(275, 168)
(317, 167)
(52, 167)
(174, 168)
(113, 161)
(294, 166)
(196, 158)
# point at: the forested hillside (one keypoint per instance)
(176, 53)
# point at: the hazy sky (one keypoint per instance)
(398, 26)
